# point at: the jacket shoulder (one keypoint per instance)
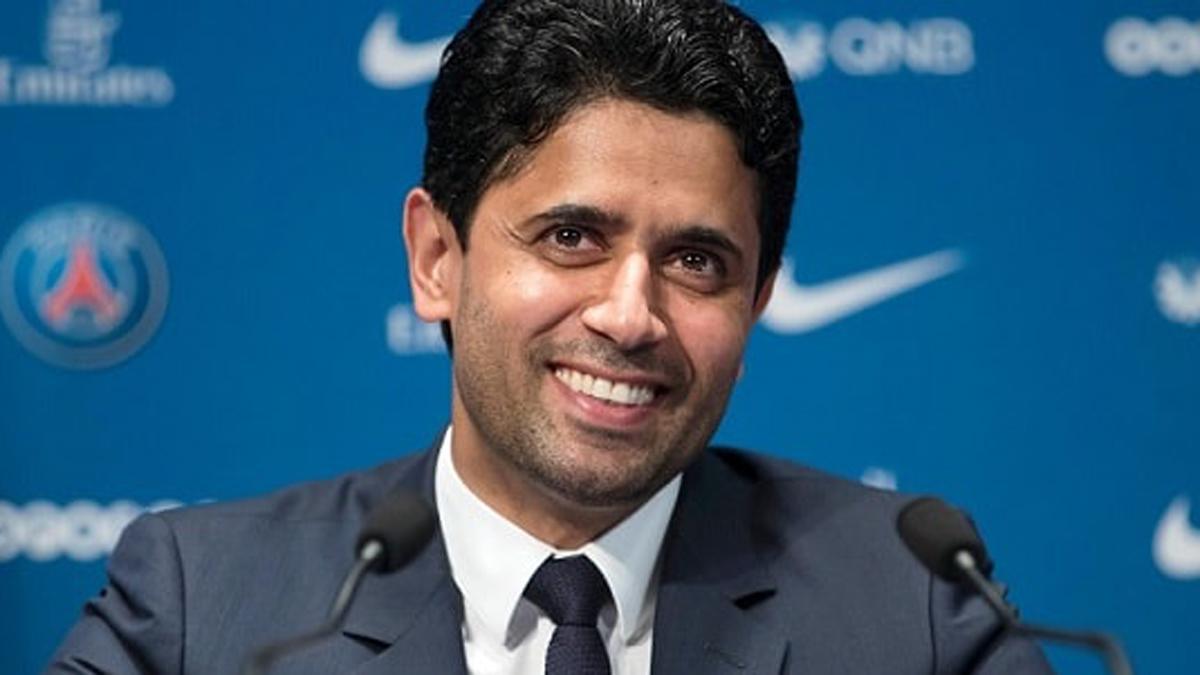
(178, 580)
(333, 498)
(832, 543)
(788, 485)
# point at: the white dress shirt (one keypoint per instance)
(492, 560)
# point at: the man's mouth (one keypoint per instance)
(610, 391)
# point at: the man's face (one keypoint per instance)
(602, 306)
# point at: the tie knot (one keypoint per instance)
(570, 590)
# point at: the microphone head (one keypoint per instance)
(402, 524)
(935, 531)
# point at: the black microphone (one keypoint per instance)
(947, 544)
(395, 532)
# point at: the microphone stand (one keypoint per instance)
(368, 557)
(1114, 656)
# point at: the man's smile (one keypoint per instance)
(606, 402)
(611, 391)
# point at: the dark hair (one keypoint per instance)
(511, 75)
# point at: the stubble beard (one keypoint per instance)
(586, 467)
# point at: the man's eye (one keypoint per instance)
(698, 269)
(696, 261)
(701, 262)
(570, 245)
(567, 237)
(571, 238)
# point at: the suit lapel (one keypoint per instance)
(424, 633)
(416, 613)
(712, 574)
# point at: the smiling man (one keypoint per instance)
(599, 310)
(608, 185)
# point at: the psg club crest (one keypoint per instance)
(82, 285)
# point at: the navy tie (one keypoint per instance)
(571, 592)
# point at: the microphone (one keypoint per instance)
(947, 544)
(395, 532)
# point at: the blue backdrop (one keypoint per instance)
(992, 291)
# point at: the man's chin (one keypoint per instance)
(601, 497)
(602, 478)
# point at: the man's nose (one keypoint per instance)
(627, 311)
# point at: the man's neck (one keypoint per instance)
(551, 518)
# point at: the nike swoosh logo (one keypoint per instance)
(1176, 542)
(799, 309)
(390, 62)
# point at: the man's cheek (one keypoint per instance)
(529, 290)
(715, 359)
(540, 300)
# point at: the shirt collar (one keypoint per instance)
(492, 584)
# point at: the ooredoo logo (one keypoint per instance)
(83, 530)
(1136, 47)
(82, 285)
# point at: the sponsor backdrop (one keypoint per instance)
(992, 289)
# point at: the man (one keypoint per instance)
(607, 189)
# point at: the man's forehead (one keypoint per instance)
(519, 156)
(613, 160)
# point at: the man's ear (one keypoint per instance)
(434, 257)
(764, 294)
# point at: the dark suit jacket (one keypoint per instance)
(767, 567)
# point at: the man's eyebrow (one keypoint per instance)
(578, 214)
(705, 235)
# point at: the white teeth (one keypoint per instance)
(601, 388)
(606, 390)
